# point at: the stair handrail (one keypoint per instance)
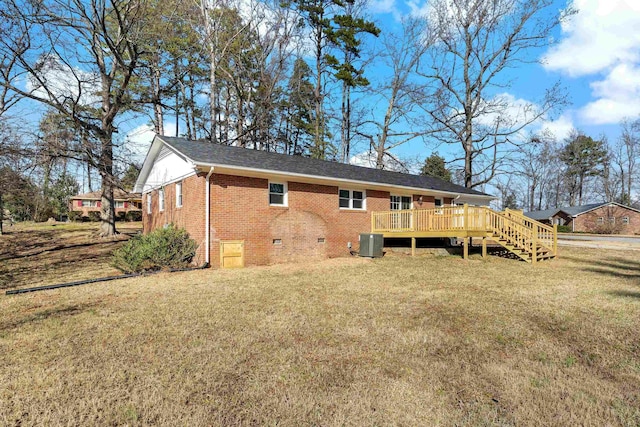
(546, 236)
(512, 231)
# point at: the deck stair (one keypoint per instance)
(524, 237)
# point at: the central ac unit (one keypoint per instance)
(371, 245)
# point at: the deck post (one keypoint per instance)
(465, 248)
(555, 240)
(534, 244)
(465, 219)
(484, 247)
(413, 246)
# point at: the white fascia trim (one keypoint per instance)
(365, 184)
(180, 178)
(150, 160)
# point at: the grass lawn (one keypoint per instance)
(34, 254)
(394, 341)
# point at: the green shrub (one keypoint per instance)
(75, 216)
(133, 216)
(94, 216)
(168, 247)
(564, 229)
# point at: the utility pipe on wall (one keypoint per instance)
(207, 209)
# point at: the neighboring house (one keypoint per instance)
(281, 208)
(593, 218)
(91, 202)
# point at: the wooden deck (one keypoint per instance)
(528, 239)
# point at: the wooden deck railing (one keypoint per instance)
(509, 226)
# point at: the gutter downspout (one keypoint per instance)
(207, 209)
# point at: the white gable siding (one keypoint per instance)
(167, 168)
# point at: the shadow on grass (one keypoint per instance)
(617, 267)
(46, 314)
(62, 247)
(625, 294)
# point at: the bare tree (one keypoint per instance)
(78, 58)
(626, 157)
(401, 123)
(475, 42)
(538, 165)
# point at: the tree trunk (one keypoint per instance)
(468, 160)
(212, 99)
(346, 122)
(157, 106)
(107, 210)
(319, 126)
(159, 117)
(580, 184)
(89, 177)
(1, 213)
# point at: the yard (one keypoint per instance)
(430, 340)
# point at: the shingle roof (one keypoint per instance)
(570, 210)
(541, 215)
(207, 153)
(578, 210)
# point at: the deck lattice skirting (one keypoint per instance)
(528, 239)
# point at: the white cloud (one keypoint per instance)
(61, 82)
(383, 7)
(618, 96)
(560, 128)
(419, 9)
(369, 160)
(601, 40)
(139, 139)
(508, 110)
(601, 35)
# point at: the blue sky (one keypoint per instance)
(596, 57)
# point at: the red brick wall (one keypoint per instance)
(428, 202)
(190, 216)
(241, 211)
(588, 222)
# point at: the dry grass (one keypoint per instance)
(42, 254)
(395, 341)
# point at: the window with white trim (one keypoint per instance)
(148, 203)
(119, 204)
(278, 193)
(89, 203)
(178, 194)
(351, 199)
(600, 220)
(398, 203)
(438, 203)
(625, 220)
(161, 199)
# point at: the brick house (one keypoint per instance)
(282, 208)
(91, 202)
(609, 218)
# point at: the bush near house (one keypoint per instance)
(75, 216)
(93, 216)
(133, 216)
(168, 247)
(564, 229)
